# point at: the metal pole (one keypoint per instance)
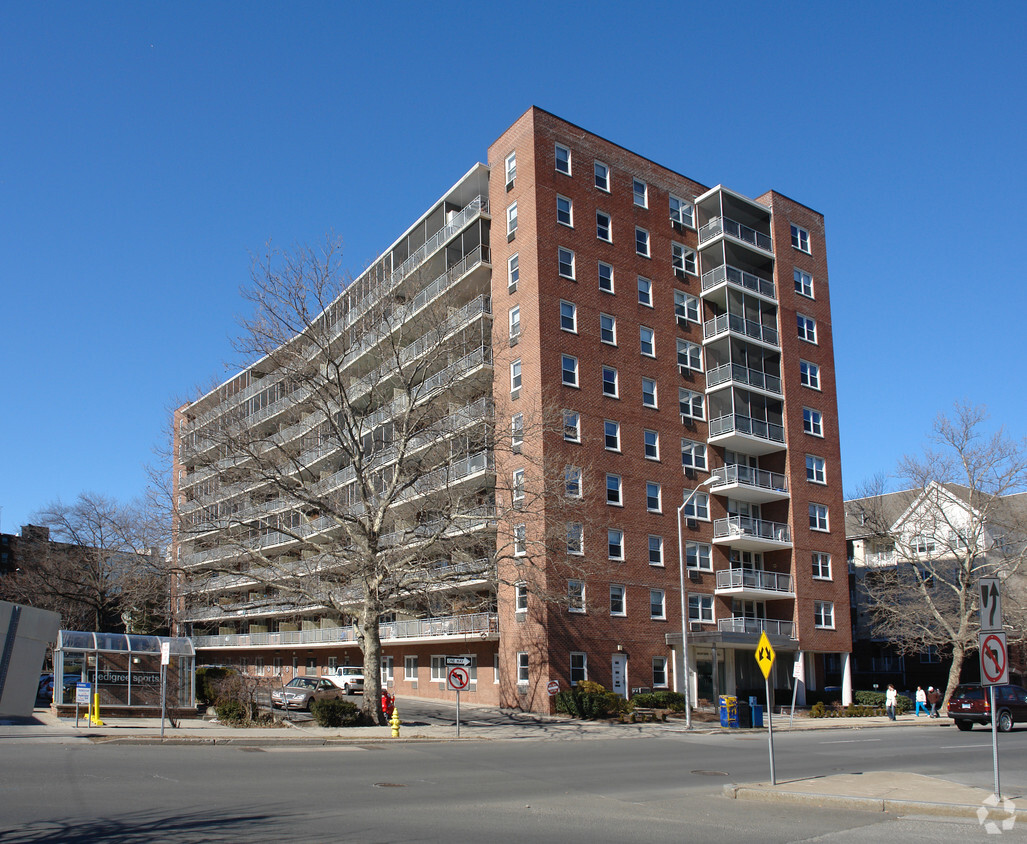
(458, 713)
(684, 617)
(994, 741)
(163, 696)
(770, 734)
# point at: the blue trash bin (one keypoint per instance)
(729, 711)
(757, 715)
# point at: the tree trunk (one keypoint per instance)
(958, 655)
(372, 647)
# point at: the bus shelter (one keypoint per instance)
(125, 670)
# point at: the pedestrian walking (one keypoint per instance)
(921, 701)
(891, 699)
(933, 698)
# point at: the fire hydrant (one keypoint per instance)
(394, 722)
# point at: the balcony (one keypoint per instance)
(723, 324)
(480, 626)
(754, 584)
(724, 225)
(726, 274)
(742, 376)
(748, 484)
(747, 435)
(756, 626)
(748, 534)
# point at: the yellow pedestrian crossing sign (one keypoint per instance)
(765, 655)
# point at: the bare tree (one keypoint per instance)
(96, 563)
(964, 517)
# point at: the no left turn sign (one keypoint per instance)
(458, 679)
(994, 659)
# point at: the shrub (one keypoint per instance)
(818, 710)
(591, 687)
(876, 700)
(336, 712)
(230, 711)
(660, 700)
(208, 677)
(588, 704)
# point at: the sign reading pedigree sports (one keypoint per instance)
(120, 678)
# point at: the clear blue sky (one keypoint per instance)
(146, 150)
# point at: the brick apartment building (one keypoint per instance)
(682, 334)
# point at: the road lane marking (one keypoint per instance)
(851, 741)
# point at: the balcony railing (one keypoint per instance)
(735, 473)
(743, 375)
(747, 526)
(457, 625)
(739, 424)
(732, 322)
(736, 230)
(756, 626)
(739, 278)
(754, 579)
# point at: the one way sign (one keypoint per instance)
(991, 604)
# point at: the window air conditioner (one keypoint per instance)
(693, 575)
(693, 524)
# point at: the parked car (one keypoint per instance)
(971, 704)
(44, 694)
(300, 691)
(349, 678)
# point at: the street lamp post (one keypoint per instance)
(684, 603)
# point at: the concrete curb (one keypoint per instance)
(866, 804)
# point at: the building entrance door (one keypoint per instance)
(620, 670)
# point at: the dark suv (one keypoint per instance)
(971, 704)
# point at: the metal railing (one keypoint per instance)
(740, 325)
(736, 230)
(743, 375)
(739, 424)
(736, 473)
(739, 526)
(739, 278)
(755, 579)
(756, 626)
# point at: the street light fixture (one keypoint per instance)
(684, 602)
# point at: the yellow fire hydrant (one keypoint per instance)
(394, 722)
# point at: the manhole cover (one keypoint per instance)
(711, 773)
(389, 785)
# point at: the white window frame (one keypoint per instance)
(643, 245)
(572, 370)
(568, 316)
(651, 444)
(606, 435)
(576, 596)
(823, 615)
(645, 291)
(517, 488)
(653, 497)
(603, 277)
(614, 490)
(523, 668)
(699, 507)
(515, 322)
(608, 329)
(818, 518)
(700, 608)
(578, 673)
(565, 262)
(565, 211)
(571, 426)
(682, 211)
(809, 374)
(695, 453)
(803, 283)
(807, 328)
(520, 596)
(615, 589)
(516, 378)
(647, 341)
(556, 154)
(687, 307)
(660, 672)
(520, 540)
(602, 176)
(511, 169)
(513, 272)
(816, 469)
(655, 550)
(517, 430)
(575, 539)
(650, 397)
(438, 668)
(410, 668)
(813, 422)
(572, 476)
(615, 544)
(682, 258)
(639, 193)
(690, 399)
(511, 219)
(821, 562)
(604, 227)
(662, 603)
(800, 239)
(615, 382)
(689, 355)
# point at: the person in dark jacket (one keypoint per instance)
(933, 698)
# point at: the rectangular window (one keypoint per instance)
(617, 600)
(640, 193)
(520, 540)
(572, 426)
(647, 341)
(655, 550)
(568, 316)
(610, 382)
(515, 322)
(521, 597)
(699, 556)
(657, 603)
(572, 481)
(800, 238)
(649, 392)
(611, 435)
(807, 328)
(682, 212)
(579, 668)
(438, 669)
(686, 308)
(699, 507)
(690, 404)
(511, 169)
(602, 173)
(682, 259)
(809, 374)
(689, 355)
(821, 566)
(651, 444)
(517, 488)
(513, 272)
(823, 614)
(803, 283)
(515, 376)
(604, 227)
(818, 517)
(575, 596)
(693, 454)
(608, 329)
(812, 422)
(605, 278)
(816, 469)
(641, 242)
(410, 669)
(653, 497)
(569, 370)
(575, 538)
(564, 211)
(700, 608)
(566, 263)
(615, 544)
(563, 159)
(517, 431)
(659, 672)
(613, 490)
(388, 675)
(522, 668)
(511, 220)
(645, 292)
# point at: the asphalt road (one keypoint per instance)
(665, 788)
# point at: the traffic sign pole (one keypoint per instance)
(765, 660)
(770, 733)
(994, 743)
